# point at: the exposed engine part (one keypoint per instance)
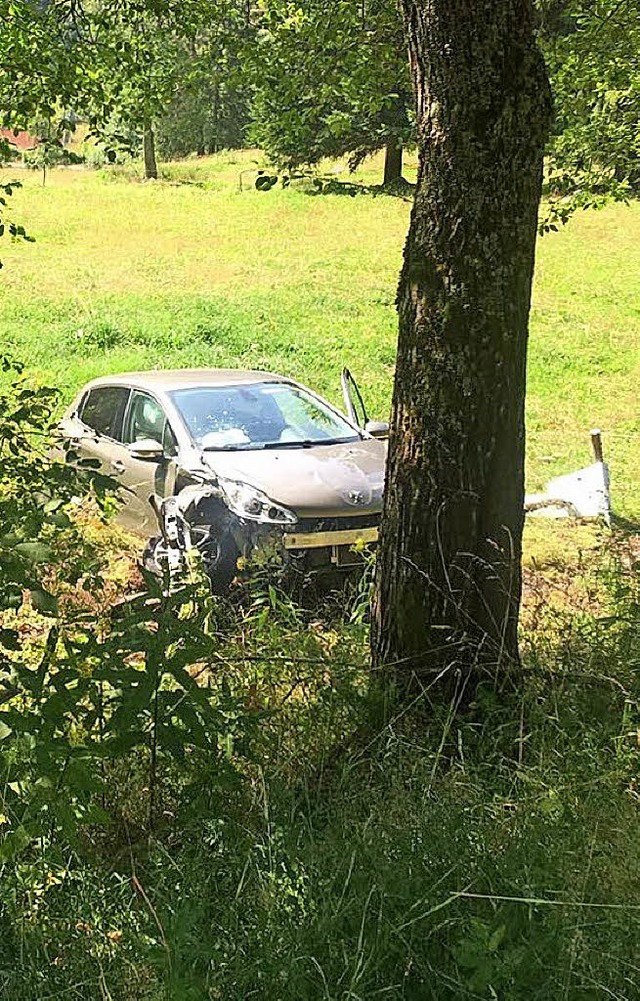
(170, 551)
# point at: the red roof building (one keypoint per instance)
(20, 140)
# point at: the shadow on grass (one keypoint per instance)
(332, 186)
(625, 525)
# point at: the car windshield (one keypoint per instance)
(259, 415)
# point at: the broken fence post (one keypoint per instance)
(596, 441)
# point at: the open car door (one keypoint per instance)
(356, 410)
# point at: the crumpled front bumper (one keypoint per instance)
(313, 544)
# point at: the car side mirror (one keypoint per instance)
(377, 429)
(146, 449)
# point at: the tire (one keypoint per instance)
(220, 556)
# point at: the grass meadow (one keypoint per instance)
(325, 842)
(194, 271)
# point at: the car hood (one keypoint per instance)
(339, 480)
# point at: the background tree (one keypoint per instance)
(332, 79)
(125, 63)
(211, 106)
(157, 41)
(41, 70)
(448, 585)
(592, 48)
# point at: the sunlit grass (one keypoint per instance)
(127, 275)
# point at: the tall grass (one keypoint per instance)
(352, 853)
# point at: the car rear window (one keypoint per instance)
(103, 410)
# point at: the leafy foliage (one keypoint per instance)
(36, 496)
(86, 688)
(337, 850)
(330, 80)
(50, 150)
(593, 51)
(210, 106)
(123, 66)
(334, 80)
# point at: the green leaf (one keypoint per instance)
(497, 938)
(43, 602)
(35, 552)
(10, 639)
(65, 817)
(97, 815)
(80, 776)
(13, 843)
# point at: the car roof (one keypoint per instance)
(165, 380)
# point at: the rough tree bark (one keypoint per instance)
(149, 151)
(392, 164)
(449, 569)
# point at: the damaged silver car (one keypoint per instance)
(248, 461)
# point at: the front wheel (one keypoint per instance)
(220, 556)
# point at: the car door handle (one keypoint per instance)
(118, 466)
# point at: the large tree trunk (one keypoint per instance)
(449, 571)
(392, 164)
(149, 150)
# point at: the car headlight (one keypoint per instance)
(249, 502)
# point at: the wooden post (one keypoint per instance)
(596, 441)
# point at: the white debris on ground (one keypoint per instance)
(583, 494)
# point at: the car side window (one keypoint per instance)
(103, 409)
(146, 419)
